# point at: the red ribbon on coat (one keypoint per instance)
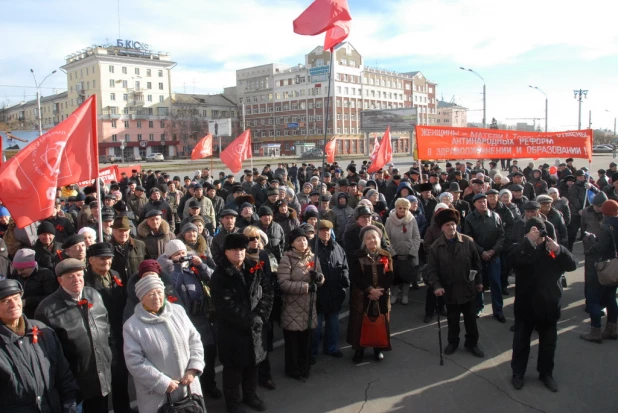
(35, 334)
(83, 302)
(257, 267)
(384, 261)
(172, 299)
(118, 281)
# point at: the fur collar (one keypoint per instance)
(143, 230)
(200, 246)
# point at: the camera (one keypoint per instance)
(186, 258)
(543, 233)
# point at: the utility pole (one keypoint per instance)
(578, 95)
(546, 105)
(38, 98)
(484, 95)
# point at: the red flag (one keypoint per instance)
(376, 147)
(66, 154)
(337, 34)
(203, 148)
(0, 149)
(384, 154)
(325, 15)
(237, 151)
(331, 148)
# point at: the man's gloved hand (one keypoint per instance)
(317, 277)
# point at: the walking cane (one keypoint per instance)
(439, 332)
(312, 291)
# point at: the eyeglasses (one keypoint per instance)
(253, 238)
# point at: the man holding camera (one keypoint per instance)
(539, 262)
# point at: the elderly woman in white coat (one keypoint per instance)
(162, 348)
(405, 237)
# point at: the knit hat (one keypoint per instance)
(440, 206)
(173, 246)
(609, 208)
(4, 212)
(188, 227)
(447, 215)
(551, 191)
(534, 222)
(87, 230)
(599, 199)
(368, 228)
(412, 198)
(264, 210)
(147, 284)
(297, 233)
(505, 191)
(46, 227)
(24, 258)
(147, 266)
(370, 193)
(272, 192)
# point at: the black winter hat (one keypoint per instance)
(72, 240)
(447, 215)
(534, 222)
(46, 227)
(235, 241)
(264, 210)
(296, 233)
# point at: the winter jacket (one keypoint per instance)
(206, 208)
(170, 292)
(288, 222)
(591, 221)
(362, 269)
(35, 377)
(342, 215)
(6, 266)
(276, 239)
(562, 205)
(605, 245)
(41, 283)
(486, 230)
(351, 238)
(538, 290)
(294, 279)
(519, 231)
(463, 207)
(242, 222)
(217, 204)
(86, 343)
(162, 206)
(539, 185)
(450, 267)
(64, 227)
(155, 244)
(421, 222)
(159, 348)
(404, 235)
(515, 212)
(243, 300)
(577, 195)
(47, 257)
(217, 243)
(611, 192)
(555, 217)
(128, 257)
(434, 231)
(334, 264)
(506, 216)
(259, 194)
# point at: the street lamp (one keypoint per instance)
(537, 88)
(484, 94)
(38, 97)
(608, 111)
(122, 146)
(578, 96)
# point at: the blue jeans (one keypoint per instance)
(599, 296)
(331, 334)
(493, 270)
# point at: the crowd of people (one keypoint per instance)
(156, 278)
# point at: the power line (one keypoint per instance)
(30, 87)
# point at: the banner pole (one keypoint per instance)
(100, 202)
(420, 170)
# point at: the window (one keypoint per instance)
(112, 96)
(137, 73)
(137, 85)
(149, 97)
(161, 99)
(112, 83)
(338, 116)
(113, 124)
(125, 84)
(126, 123)
(124, 70)
(114, 137)
(151, 137)
(160, 73)
(278, 133)
(139, 123)
(162, 124)
(94, 84)
(150, 124)
(160, 86)
(111, 69)
(162, 136)
(148, 85)
(271, 133)
(127, 137)
(318, 118)
(139, 137)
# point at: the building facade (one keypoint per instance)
(452, 115)
(24, 115)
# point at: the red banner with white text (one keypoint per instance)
(441, 142)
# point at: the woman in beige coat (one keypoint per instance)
(298, 280)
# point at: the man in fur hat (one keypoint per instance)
(454, 271)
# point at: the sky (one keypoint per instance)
(558, 46)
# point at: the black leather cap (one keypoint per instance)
(10, 287)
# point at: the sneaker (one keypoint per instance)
(378, 355)
(450, 349)
(476, 351)
(478, 313)
(518, 381)
(255, 403)
(549, 382)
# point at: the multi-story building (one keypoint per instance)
(451, 114)
(289, 106)
(24, 115)
(133, 89)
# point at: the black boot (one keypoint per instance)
(358, 356)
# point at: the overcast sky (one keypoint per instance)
(556, 45)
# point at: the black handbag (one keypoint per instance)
(193, 403)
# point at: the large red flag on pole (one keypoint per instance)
(384, 154)
(331, 148)
(331, 16)
(66, 154)
(237, 151)
(203, 148)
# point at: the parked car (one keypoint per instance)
(602, 149)
(155, 157)
(134, 158)
(313, 153)
(113, 159)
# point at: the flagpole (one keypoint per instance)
(99, 218)
(330, 78)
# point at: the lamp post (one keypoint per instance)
(537, 88)
(578, 96)
(484, 95)
(122, 146)
(608, 111)
(38, 98)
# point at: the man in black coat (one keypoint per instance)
(507, 221)
(158, 203)
(331, 294)
(243, 298)
(87, 343)
(227, 217)
(47, 249)
(485, 227)
(36, 375)
(107, 282)
(37, 282)
(128, 252)
(538, 262)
